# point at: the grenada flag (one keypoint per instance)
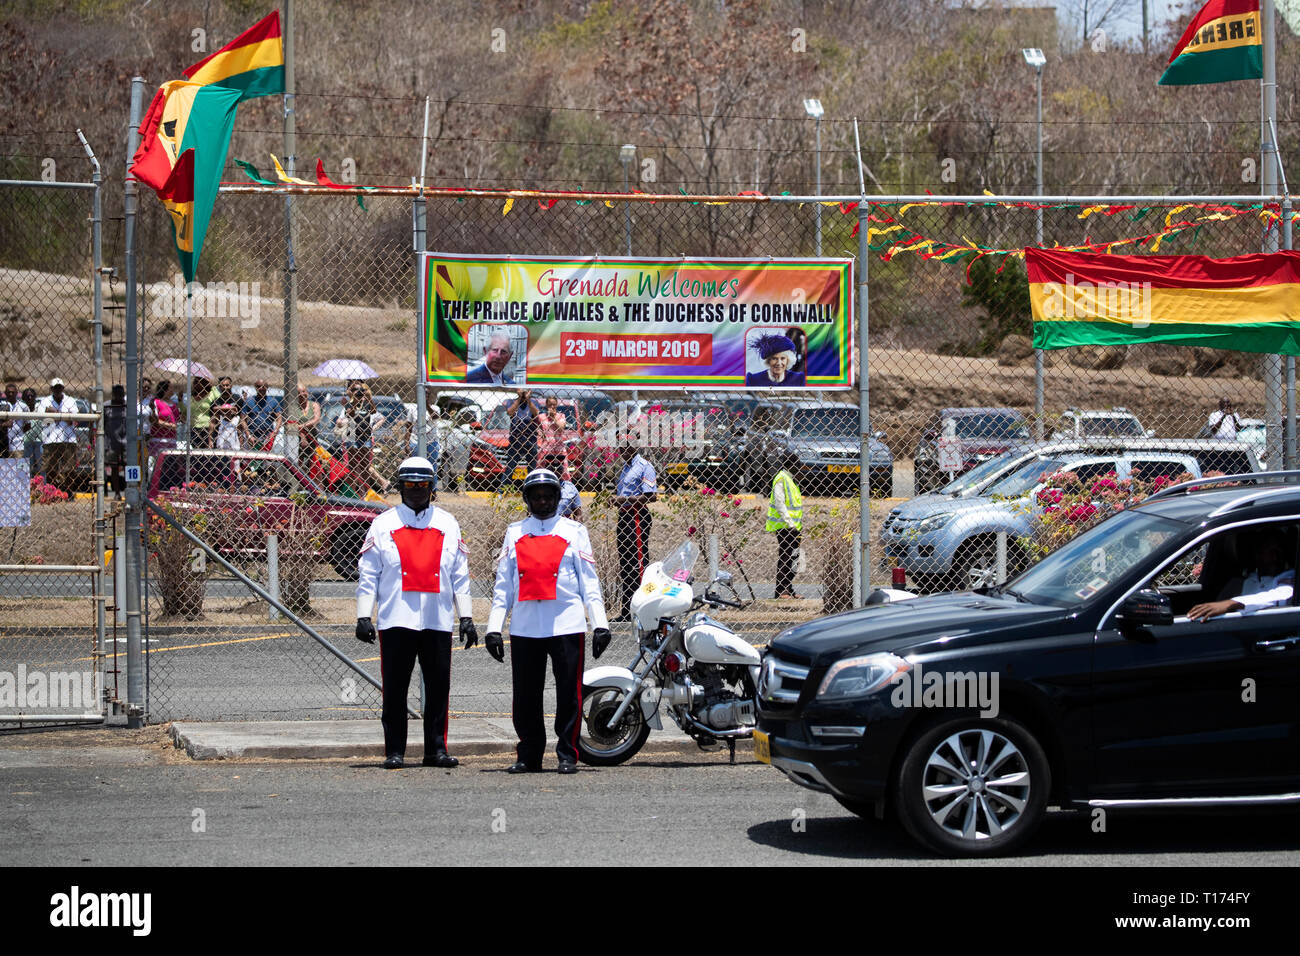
(252, 62)
(183, 144)
(1223, 42)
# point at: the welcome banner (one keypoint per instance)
(638, 322)
(1246, 303)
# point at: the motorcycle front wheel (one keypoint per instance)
(598, 745)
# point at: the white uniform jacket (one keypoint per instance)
(413, 566)
(546, 574)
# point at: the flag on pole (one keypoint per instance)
(1247, 303)
(1223, 42)
(183, 142)
(252, 62)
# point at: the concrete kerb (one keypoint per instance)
(340, 739)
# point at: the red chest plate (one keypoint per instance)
(539, 560)
(420, 550)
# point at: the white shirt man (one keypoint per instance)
(546, 583)
(557, 590)
(415, 568)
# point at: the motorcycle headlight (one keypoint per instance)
(860, 676)
(934, 522)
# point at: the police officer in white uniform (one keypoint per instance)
(546, 582)
(415, 567)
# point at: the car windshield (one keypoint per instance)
(982, 471)
(1110, 427)
(1096, 559)
(1025, 477)
(825, 422)
(991, 426)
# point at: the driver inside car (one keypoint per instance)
(1270, 583)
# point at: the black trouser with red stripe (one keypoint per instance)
(528, 672)
(398, 649)
(633, 536)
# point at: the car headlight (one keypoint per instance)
(934, 522)
(860, 676)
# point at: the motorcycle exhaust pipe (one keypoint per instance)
(737, 732)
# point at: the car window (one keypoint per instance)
(1089, 472)
(1111, 427)
(1225, 460)
(272, 479)
(985, 469)
(1151, 469)
(1226, 566)
(991, 426)
(825, 422)
(1097, 558)
(1025, 477)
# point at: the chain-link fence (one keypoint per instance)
(57, 650)
(953, 393)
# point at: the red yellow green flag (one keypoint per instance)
(252, 62)
(1223, 42)
(184, 138)
(1246, 303)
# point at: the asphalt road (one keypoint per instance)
(81, 805)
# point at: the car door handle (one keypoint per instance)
(1281, 644)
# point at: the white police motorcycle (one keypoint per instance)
(700, 671)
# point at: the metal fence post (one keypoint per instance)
(1289, 460)
(862, 580)
(418, 241)
(136, 705)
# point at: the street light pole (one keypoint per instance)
(1035, 58)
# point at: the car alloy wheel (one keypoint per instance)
(973, 787)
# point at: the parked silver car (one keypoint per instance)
(951, 543)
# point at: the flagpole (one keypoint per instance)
(290, 235)
(1268, 187)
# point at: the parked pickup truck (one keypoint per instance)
(262, 488)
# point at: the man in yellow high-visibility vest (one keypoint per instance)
(785, 517)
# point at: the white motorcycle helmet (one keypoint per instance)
(541, 493)
(415, 481)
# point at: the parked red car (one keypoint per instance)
(489, 455)
(261, 489)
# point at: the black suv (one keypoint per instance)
(1082, 682)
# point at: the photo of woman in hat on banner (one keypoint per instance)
(770, 358)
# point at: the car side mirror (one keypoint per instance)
(724, 577)
(1146, 608)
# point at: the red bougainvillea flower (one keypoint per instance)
(724, 514)
(1104, 486)
(708, 491)
(690, 530)
(1051, 496)
(736, 502)
(1081, 512)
